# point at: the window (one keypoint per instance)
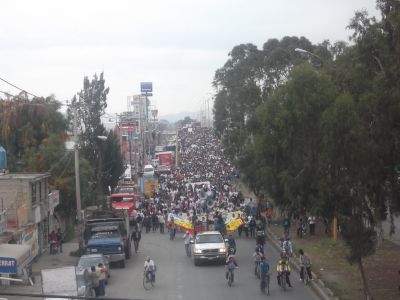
(33, 192)
(40, 191)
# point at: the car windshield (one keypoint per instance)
(87, 262)
(209, 238)
(148, 169)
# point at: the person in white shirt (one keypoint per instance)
(161, 222)
(149, 266)
(187, 238)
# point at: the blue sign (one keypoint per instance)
(146, 88)
(8, 265)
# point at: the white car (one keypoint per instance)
(209, 246)
(148, 171)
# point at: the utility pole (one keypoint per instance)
(77, 178)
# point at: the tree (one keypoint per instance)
(90, 105)
(113, 163)
(34, 134)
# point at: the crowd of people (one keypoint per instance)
(203, 189)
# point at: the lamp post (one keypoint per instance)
(77, 179)
(300, 50)
(100, 191)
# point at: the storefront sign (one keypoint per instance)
(8, 265)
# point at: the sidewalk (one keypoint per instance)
(45, 261)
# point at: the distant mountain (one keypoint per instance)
(172, 118)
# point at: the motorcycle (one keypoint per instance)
(53, 247)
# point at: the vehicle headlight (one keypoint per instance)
(197, 251)
(119, 248)
(222, 250)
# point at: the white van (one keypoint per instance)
(148, 171)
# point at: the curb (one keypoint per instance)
(317, 284)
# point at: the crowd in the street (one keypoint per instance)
(203, 188)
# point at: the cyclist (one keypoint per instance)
(305, 263)
(150, 267)
(287, 247)
(260, 248)
(257, 256)
(230, 265)
(264, 269)
(231, 244)
(283, 267)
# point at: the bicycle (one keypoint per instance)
(230, 277)
(282, 279)
(148, 280)
(264, 284)
(306, 278)
(257, 269)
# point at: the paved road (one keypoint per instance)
(178, 278)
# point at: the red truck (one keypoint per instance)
(166, 158)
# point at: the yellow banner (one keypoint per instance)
(233, 224)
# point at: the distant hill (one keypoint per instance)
(172, 118)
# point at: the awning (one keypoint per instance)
(12, 257)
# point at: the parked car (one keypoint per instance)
(89, 260)
(209, 246)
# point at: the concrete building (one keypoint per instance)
(26, 216)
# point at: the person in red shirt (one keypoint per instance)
(53, 242)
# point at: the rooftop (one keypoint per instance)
(24, 176)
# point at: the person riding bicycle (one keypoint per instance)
(264, 272)
(283, 267)
(260, 248)
(230, 265)
(257, 256)
(305, 263)
(287, 247)
(231, 243)
(149, 266)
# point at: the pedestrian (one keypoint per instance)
(136, 236)
(53, 242)
(252, 226)
(94, 277)
(327, 227)
(311, 223)
(187, 238)
(161, 222)
(102, 273)
(286, 225)
(246, 226)
(60, 239)
(299, 226)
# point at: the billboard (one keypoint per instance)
(146, 88)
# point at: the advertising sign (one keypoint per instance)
(146, 88)
(8, 265)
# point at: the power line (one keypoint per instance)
(22, 90)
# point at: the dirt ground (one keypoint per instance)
(330, 264)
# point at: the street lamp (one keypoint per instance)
(100, 171)
(300, 50)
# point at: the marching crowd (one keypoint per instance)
(204, 189)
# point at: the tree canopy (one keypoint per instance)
(318, 130)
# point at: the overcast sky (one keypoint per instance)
(47, 47)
